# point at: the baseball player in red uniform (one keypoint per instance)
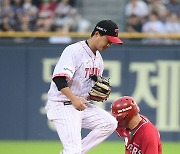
(68, 106)
(140, 135)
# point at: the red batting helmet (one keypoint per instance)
(124, 108)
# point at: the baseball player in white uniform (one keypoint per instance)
(68, 106)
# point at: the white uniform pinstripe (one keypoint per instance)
(77, 63)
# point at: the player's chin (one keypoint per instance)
(103, 49)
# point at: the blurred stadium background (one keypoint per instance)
(33, 34)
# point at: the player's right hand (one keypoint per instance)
(79, 103)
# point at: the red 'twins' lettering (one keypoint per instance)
(90, 71)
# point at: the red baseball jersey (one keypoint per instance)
(144, 139)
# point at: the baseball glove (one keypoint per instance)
(101, 90)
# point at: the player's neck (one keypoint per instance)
(91, 45)
(134, 122)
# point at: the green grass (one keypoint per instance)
(54, 147)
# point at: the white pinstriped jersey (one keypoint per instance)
(76, 63)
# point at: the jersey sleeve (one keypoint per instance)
(66, 64)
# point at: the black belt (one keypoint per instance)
(67, 103)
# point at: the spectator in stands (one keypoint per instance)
(6, 25)
(133, 24)
(7, 19)
(17, 7)
(173, 6)
(158, 7)
(30, 10)
(65, 16)
(172, 24)
(136, 7)
(45, 15)
(23, 23)
(6, 9)
(153, 25)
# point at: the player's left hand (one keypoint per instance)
(101, 90)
